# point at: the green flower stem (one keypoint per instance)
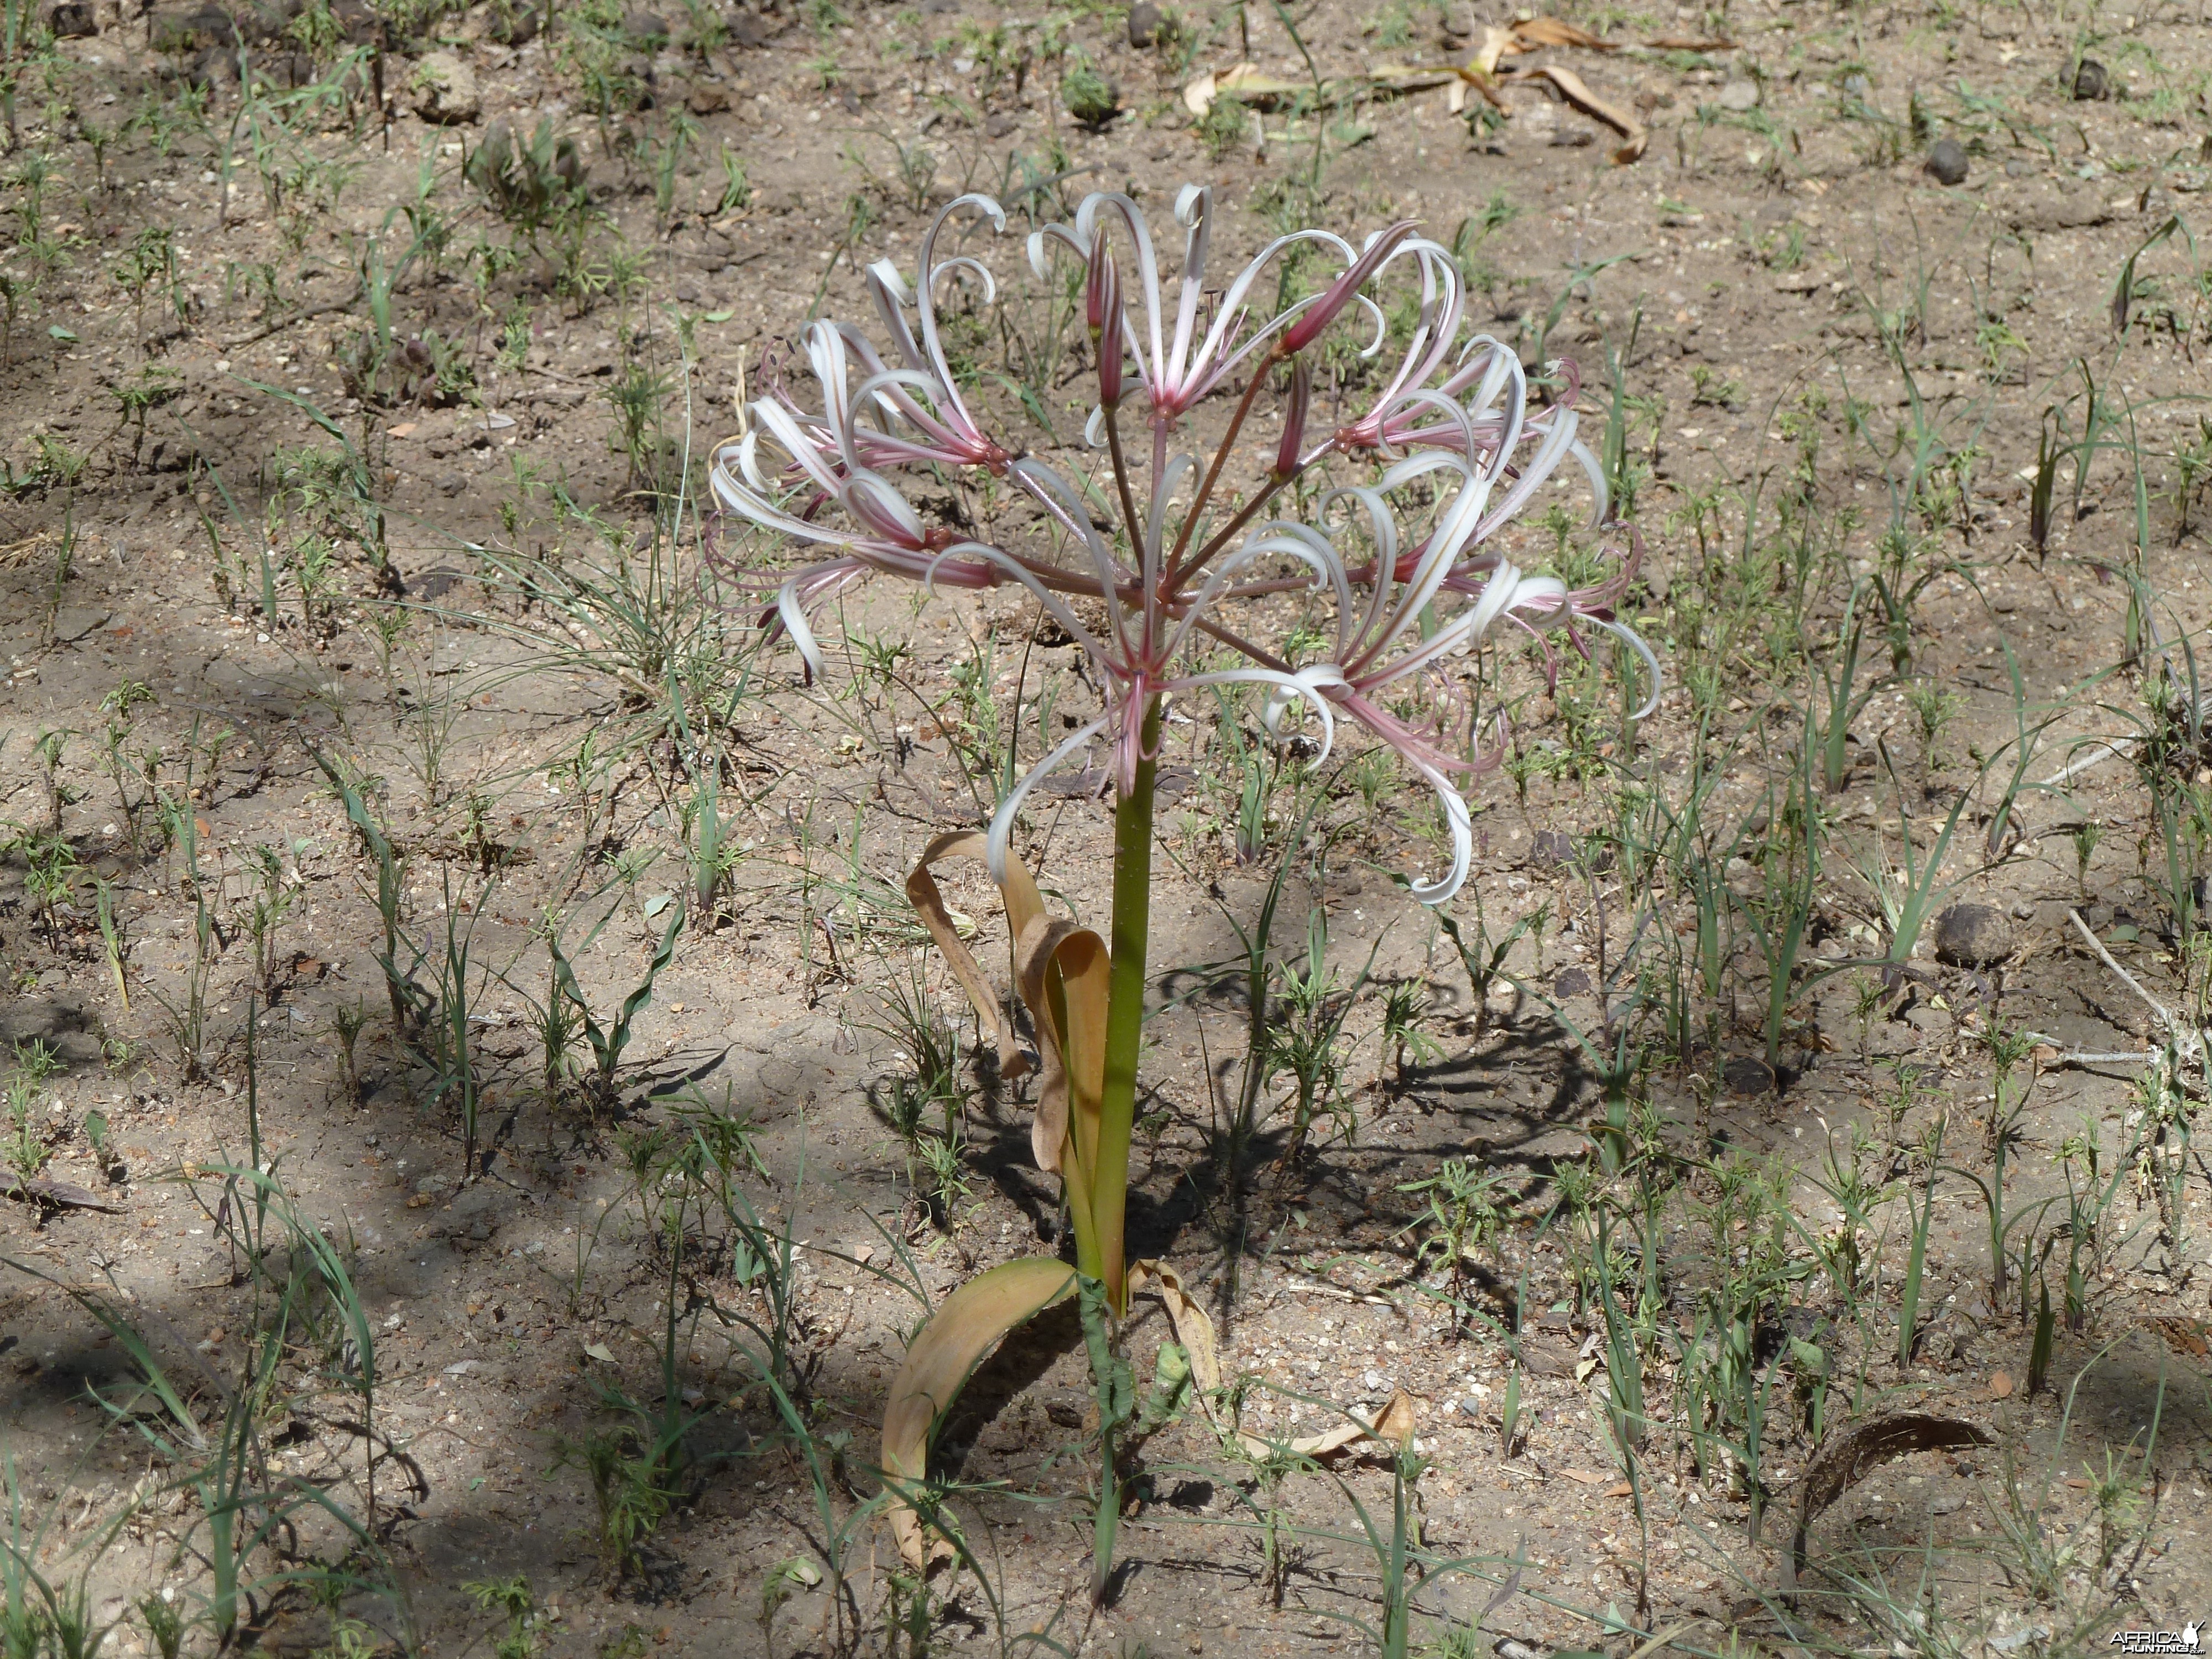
(1125, 1014)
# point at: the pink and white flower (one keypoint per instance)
(1154, 590)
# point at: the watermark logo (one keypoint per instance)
(2189, 1639)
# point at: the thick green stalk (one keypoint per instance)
(1125, 1014)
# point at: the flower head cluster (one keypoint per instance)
(1158, 590)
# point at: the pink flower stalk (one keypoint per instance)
(1158, 592)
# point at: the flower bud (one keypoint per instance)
(1102, 310)
(1322, 312)
(1295, 401)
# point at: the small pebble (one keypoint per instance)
(1947, 162)
(1972, 936)
(2090, 80)
(1145, 20)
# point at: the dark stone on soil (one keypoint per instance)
(357, 21)
(1553, 847)
(2090, 80)
(1571, 983)
(1145, 20)
(264, 21)
(60, 1023)
(1749, 1075)
(284, 70)
(1972, 936)
(513, 25)
(70, 20)
(1947, 162)
(189, 32)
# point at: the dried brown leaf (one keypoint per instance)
(2183, 1336)
(972, 1322)
(1577, 92)
(1193, 1326)
(1393, 1424)
(1850, 1456)
(1551, 32)
(62, 1194)
(1022, 901)
(1245, 82)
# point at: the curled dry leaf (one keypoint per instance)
(2183, 1336)
(1510, 40)
(1022, 901)
(62, 1194)
(1849, 1458)
(1551, 32)
(971, 1323)
(1395, 1423)
(1496, 43)
(1193, 1329)
(1577, 92)
(1245, 82)
(1063, 970)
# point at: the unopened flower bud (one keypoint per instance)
(1295, 401)
(1322, 312)
(1102, 310)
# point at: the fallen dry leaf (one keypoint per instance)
(1496, 43)
(62, 1194)
(1246, 82)
(1849, 1456)
(2183, 1336)
(1688, 43)
(1622, 1489)
(1584, 1477)
(1577, 92)
(2000, 1385)
(1551, 32)
(1393, 1424)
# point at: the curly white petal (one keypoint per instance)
(1298, 541)
(1002, 821)
(792, 615)
(1635, 641)
(1462, 825)
(1304, 686)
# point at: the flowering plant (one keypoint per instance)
(1159, 591)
